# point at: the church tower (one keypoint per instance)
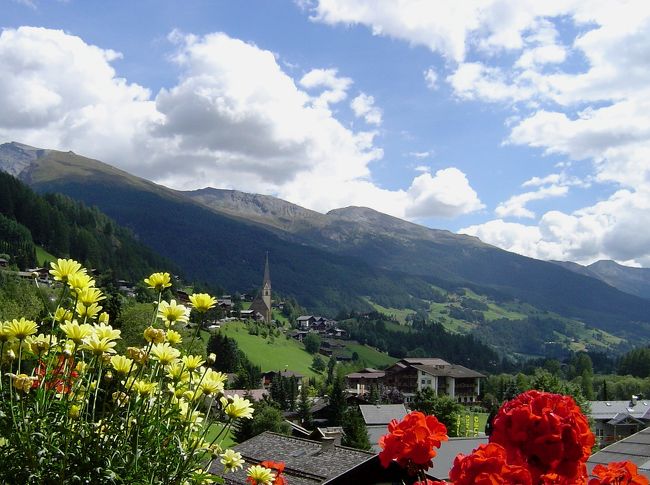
(266, 288)
(262, 302)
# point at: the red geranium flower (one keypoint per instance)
(487, 466)
(547, 433)
(411, 441)
(278, 468)
(618, 473)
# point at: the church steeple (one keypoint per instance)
(266, 289)
(267, 273)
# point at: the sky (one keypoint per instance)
(522, 122)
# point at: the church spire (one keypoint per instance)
(267, 273)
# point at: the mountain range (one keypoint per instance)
(345, 259)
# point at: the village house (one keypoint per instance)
(412, 374)
(614, 420)
(267, 377)
(315, 323)
(361, 382)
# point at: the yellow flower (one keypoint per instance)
(62, 315)
(4, 332)
(74, 411)
(237, 407)
(122, 365)
(88, 296)
(99, 346)
(81, 367)
(173, 337)
(20, 329)
(202, 302)
(192, 362)
(172, 312)
(155, 335)
(80, 281)
(177, 372)
(41, 343)
(75, 332)
(158, 281)
(188, 415)
(64, 268)
(144, 388)
(88, 311)
(260, 475)
(210, 387)
(165, 353)
(231, 460)
(106, 331)
(22, 382)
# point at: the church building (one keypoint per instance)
(262, 302)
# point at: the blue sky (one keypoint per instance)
(525, 124)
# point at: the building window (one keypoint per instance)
(424, 381)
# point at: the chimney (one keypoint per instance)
(633, 400)
(327, 444)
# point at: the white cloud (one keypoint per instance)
(420, 155)
(235, 119)
(611, 229)
(335, 87)
(422, 168)
(515, 206)
(445, 27)
(446, 194)
(431, 78)
(364, 107)
(582, 95)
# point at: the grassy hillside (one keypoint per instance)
(279, 353)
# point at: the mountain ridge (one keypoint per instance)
(328, 261)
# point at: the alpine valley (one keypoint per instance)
(356, 258)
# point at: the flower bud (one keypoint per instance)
(212, 358)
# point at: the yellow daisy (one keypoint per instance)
(20, 329)
(64, 268)
(158, 281)
(171, 313)
(202, 302)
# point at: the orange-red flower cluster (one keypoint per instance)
(59, 378)
(547, 433)
(487, 465)
(618, 473)
(412, 441)
(278, 468)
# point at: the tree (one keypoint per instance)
(444, 408)
(355, 433)
(318, 364)
(266, 417)
(312, 343)
(331, 365)
(337, 404)
(227, 351)
(304, 408)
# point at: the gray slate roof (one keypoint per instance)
(446, 454)
(455, 371)
(606, 410)
(635, 448)
(382, 413)
(306, 462)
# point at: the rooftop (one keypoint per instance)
(306, 462)
(606, 410)
(382, 413)
(635, 448)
